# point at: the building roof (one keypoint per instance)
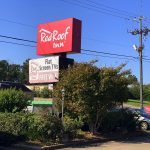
(17, 86)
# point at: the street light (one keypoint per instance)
(62, 108)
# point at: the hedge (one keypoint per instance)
(43, 127)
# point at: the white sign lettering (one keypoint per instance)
(57, 38)
(47, 36)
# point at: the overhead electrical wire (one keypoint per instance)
(96, 3)
(97, 9)
(87, 4)
(87, 50)
(14, 43)
(96, 53)
(108, 56)
(93, 51)
(104, 8)
(91, 39)
(111, 8)
(15, 38)
(92, 6)
(15, 22)
(102, 41)
(81, 53)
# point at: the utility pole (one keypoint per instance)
(141, 32)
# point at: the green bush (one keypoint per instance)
(121, 120)
(43, 127)
(44, 93)
(72, 126)
(13, 123)
(37, 94)
(12, 100)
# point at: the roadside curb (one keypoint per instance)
(75, 143)
(23, 146)
(93, 141)
(81, 142)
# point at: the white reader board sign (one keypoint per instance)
(44, 70)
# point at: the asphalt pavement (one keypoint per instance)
(125, 143)
(133, 143)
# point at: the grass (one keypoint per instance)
(137, 103)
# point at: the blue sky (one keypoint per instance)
(104, 29)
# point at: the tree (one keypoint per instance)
(9, 72)
(25, 72)
(12, 100)
(4, 70)
(134, 91)
(146, 92)
(14, 73)
(91, 91)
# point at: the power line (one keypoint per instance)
(14, 43)
(97, 40)
(106, 53)
(113, 54)
(108, 56)
(19, 23)
(100, 8)
(87, 50)
(14, 38)
(4, 36)
(111, 8)
(96, 10)
(32, 26)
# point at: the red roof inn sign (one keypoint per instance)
(62, 36)
(44, 70)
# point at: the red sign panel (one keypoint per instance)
(59, 37)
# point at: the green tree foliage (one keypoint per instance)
(4, 70)
(14, 72)
(25, 72)
(146, 92)
(134, 92)
(90, 91)
(12, 100)
(46, 93)
(9, 72)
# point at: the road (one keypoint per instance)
(137, 143)
(7, 148)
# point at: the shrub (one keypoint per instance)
(43, 127)
(122, 120)
(12, 100)
(44, 93)
(71, 126)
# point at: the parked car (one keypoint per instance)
(142, 118)
(147, 109)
